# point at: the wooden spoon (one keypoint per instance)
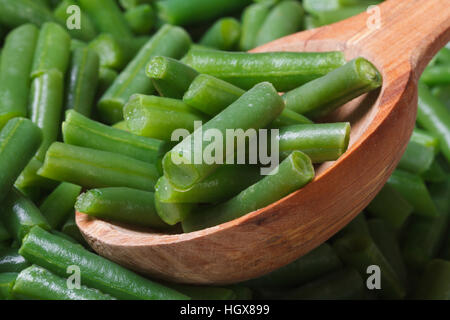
(411, 32)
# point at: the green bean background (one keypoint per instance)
(104, 99)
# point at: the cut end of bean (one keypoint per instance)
(368, 71)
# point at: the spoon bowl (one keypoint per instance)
(400, 37)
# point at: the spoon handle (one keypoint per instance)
(408, 31)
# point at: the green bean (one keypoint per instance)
(434, 117)
(19, 140)
(46, 101)
(116, 53)
(253, 18)
(345, 284)
(122, 125)
(16, 61)
(422, 240)
(417, 158)
(4, 234)
(82, 81)
(141, 19)
(223, 184)
(71, 229)
(7, 281)
(107, 17)
(170, 77)
(77, 44)
(443, 56)
(443, 94)
(181, 12)
(106, 78)
(129, 4)
(391, 206)
(224, 34)
(284, 19)
(19, 215)
(332, 16)
(64, 235)
(292, 174)
(360, 252)
(436, 75)
(52, 50)
(91, 168)
(86, 30)
(211, 95)
(385, 239)
(37, 283)
(413, 189)
(358, 226)
(435, 283)
(440, 193)
(158, 117)
(323, 95)
(289, 118)
(18, 12)
(204, 293)
(168, 41)
(121, 204)
(435, 173)
(12, 261)
(285, 70)
(173, 213)
(321, 142)
(311, 266)
(426, 139)
(83, 132)
(30, 180)
(255, 109)
(315, 7)
(56, 254)
(311, 22)
(57, 207)
(445, 252)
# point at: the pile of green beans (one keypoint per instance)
(89, 120)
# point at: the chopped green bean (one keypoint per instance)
(181, 12)
(223, 184)
(292, 174)
(17, 12)
(12, 261)
(107, 17)
(321, 142)
(434, 117)
(56, 254)
(19, 215)
(323, 95)
(81, 131)
(141, 19)
(91, 168)
(16, 62)
(19, 141)
(158, 117)
(40, 284)
(284, 19)
(285, 70)
(57, 207)
(436, 75)
(413, 189)
(168, 41)
(121, 204)
(52, 50)
(253, 18)
(82, 81)
(255, 109)
(170, 77)
(223, 35)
